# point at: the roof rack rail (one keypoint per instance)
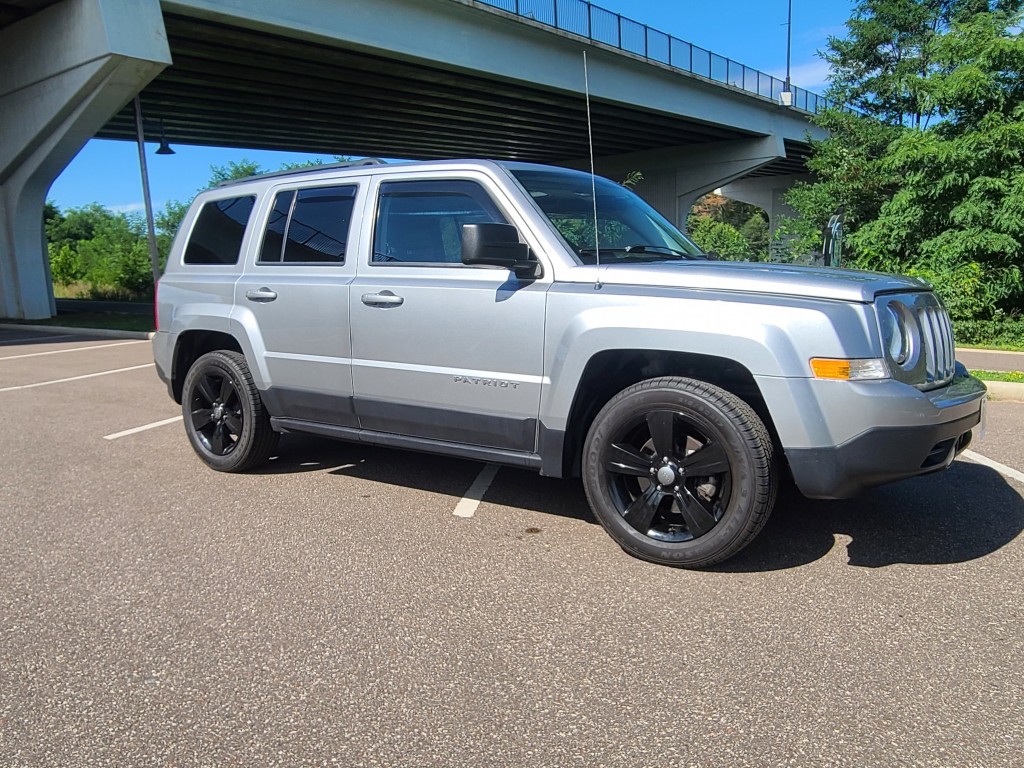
(306, 169)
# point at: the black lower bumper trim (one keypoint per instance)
(878, 456)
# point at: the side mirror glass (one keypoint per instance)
(498, 245)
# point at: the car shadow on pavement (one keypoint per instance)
(427, 472)
(964, 513)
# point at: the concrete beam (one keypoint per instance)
(469, 37)
(674, 178)
(72, 66)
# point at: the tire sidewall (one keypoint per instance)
(723, 539)
(220, 362)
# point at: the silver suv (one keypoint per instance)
(498, 312)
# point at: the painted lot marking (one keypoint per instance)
(75, 378)
(467, 506)
(73, 349)
(1002, 469)
(143, 428)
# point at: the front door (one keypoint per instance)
(442, 350)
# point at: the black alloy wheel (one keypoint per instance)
(224, 415)
(679, 471)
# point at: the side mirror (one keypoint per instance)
(498, 245)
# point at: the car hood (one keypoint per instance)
(777, 279)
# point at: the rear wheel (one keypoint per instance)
(680, 472)
(224, 415)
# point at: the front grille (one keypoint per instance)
(937, 333)
(926, 355)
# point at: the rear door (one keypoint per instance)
(296, 295)
(442, 350)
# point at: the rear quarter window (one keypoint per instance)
(217, 235)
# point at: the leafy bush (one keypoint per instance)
(1002, 334)
(724, 239)
(105, 252)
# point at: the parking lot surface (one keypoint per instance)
(357, 606)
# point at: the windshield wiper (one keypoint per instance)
(639, 248)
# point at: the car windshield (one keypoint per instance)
(628, 229)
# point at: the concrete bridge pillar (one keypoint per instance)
(674, 178)
(66, 71)
(765, 192)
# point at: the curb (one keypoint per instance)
(100, 333)
(1005, 390)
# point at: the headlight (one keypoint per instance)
(900, 335)
(894, 332)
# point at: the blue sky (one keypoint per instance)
(752, 32)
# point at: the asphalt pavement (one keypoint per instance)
(332, 608)
(991, 359)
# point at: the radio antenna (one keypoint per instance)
(593, 179)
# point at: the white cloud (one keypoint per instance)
(128, 207)
(811, 75)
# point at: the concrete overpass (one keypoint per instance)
(392, 78)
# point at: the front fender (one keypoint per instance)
(769, 336)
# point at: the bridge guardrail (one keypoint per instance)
(583, 18)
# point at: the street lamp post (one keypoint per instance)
(787, 90)
(154, 254)
(789, 44)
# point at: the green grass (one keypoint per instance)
(1016, 377)
(1005, 347)
(113, 321)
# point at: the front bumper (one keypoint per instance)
(884, 454)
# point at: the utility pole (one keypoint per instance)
(789, 44)
(154, 255)
(786, 97)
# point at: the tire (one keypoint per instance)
(680, 472)
(224, 415)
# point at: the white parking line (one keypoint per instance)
(75, 378)
(1002, 469)
(73, 349)
(468, 504)
(143, 428)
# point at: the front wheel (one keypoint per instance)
(224, 415)
(680, 472)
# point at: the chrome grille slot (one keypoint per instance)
(938, 334)
(928, 333)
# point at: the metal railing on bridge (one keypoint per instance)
(585, 19)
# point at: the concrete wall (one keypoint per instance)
(67, 70)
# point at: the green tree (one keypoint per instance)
(105, 250)
(756, 232)
(233, 171)
(930, 172)
(724, 239)
(167, 220)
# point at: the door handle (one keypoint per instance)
(382, 299)
(262, 295)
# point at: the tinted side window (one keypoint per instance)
(273, 238)
(309, 226)
(421, 221)
(217, 235)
